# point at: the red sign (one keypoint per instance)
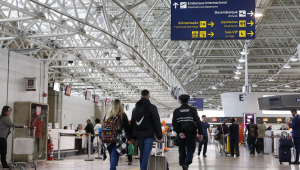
(213, 119)
(107, 102)
(68, 90)
(30, 84)
(38, 111)
(80, 127)
(96, 98)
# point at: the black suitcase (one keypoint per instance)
(285, 155)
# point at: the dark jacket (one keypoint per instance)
(126, 126)
(186, 120)
(225, 129)
(89, 128)
(155, 128)
(295, 127)
(234, 131)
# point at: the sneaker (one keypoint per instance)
(185, 167)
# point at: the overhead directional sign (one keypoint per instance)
(212, 19)
(197, 103)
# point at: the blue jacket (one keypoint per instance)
(295, 127)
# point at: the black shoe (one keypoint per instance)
(238, 154)
(198, 153)
(185, 167)
(204, 156)
(295, 162)
(231, 155)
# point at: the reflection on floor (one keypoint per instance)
(214, 161)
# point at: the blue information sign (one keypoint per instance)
(197, 103)
(212, 19)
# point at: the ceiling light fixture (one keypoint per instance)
(294, 59)
(286, 86)
(287, 65)
(240, 66)
(221, 84)
(68, 2)
(238, 72)
(236, 77)
(254, 85)
(100, 21)
(118, 56)
(244, 52)
(271, 79)
(258, 14)
(214, 87)
(242, 59)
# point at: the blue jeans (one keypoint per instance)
(145, 146)
(187, 148)
(297, 147)
(114, 156)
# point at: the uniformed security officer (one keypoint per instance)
(186, 122)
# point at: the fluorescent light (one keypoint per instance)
(100, 21)
(242, 59)
(254, 85)
(258, 14)
(201, 92)
(221, 84)
(286, 86)
(271, 79)
(236, 77)
(214, 87)
(244, 52)
(287, 66)
(238, 72)
(68, 2)
(210, 104)
(294, 59)
(240, 66)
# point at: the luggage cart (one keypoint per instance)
(23, 146)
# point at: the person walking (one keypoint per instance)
(295, 125)
(5, 125)
(252, 135)
(205, 127)
(223, 130)
(89, 128)
(234, 138)
(119, 147)
(145, 123)
(261, 134)
(186, 122)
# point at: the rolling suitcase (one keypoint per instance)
(285, 155)
(158, 162)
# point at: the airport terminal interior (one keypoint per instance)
(65, 63)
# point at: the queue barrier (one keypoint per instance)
(76, 135)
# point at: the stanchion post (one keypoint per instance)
(89, 148)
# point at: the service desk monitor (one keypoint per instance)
(212, 20)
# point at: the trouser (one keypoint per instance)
(3, 151)
(203, 142)
(234, 144)
(222, 142)
(129, 156)
(145, 146)
(114, 156)
(296, 143)
(187, 148)
(261, 148)
(252, 141)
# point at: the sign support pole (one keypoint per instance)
(246, 64)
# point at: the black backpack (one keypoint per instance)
(142, 118)
(252, 130)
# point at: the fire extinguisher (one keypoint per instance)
(50, 151)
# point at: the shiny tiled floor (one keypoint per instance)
(214, 161)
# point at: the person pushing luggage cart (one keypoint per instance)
(186, 122)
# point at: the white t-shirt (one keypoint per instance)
(96, 128)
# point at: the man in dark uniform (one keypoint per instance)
(186, 122)
(295, 125)
(234, 138)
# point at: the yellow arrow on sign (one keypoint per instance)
(211, 34)
(251, 33)
(251, 23)
(211, 24)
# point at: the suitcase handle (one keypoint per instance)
(163, 146)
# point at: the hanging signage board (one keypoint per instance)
(197, 103)
(68, 90)
(212, 20)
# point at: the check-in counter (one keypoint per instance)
(67, 142)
